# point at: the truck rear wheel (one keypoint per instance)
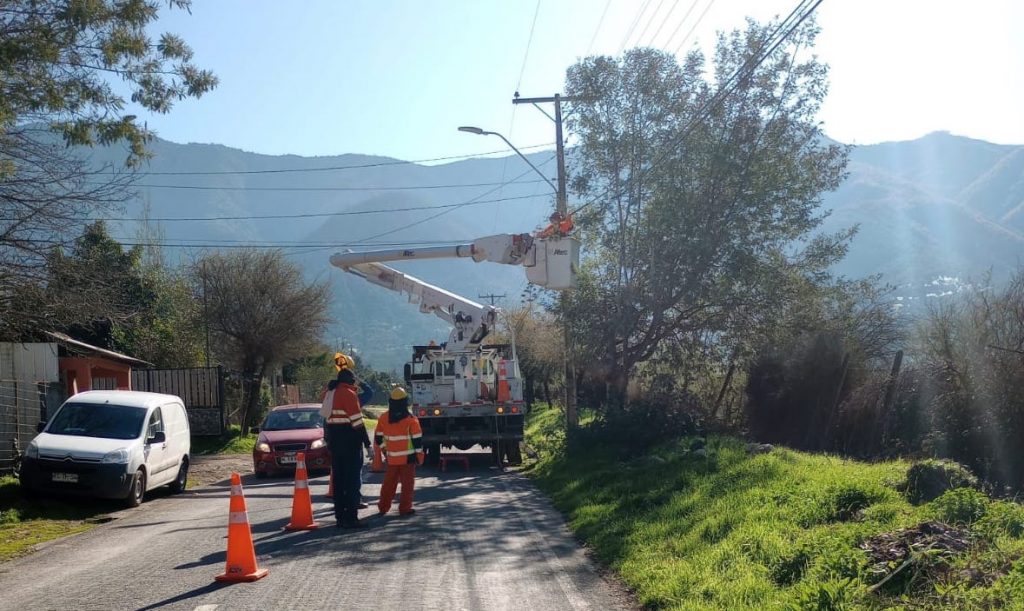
(433, 454)
(513, 454)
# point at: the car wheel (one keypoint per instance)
(138, 489)
(178, 486)
(27, 491)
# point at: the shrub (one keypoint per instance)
(929, 479)
(963, 506)
(1002, 518)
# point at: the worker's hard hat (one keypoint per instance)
(343, 361)
(398, 393)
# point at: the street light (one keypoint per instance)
(479, 132)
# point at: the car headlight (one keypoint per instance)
(117, 457)
(32, 451)
(317, 444)
(262, 447)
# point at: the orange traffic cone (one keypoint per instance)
(378, 461)
(241, 564)
(302, 505)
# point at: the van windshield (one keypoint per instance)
(98, 420)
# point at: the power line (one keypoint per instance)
(771, 43)
(443, 212)
(650, 20)
(529, 43)
(636, 20)
(697, 23)
(339, 167)
(375, 188)
(682, 21)
(600, 22)
(668, 15)
(176, 219)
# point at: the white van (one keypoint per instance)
(111, 444)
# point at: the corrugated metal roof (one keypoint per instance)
(74, 344)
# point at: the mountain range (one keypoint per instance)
(932, 213)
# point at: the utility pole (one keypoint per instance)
(492, 298)
(562, 207)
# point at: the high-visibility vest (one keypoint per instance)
(400, 440)
(345, 407)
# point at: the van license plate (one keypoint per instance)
(71, 478)
(287, 459)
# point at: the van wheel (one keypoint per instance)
(178, 485)
(138, 490)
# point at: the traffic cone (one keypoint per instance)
(302, 504)
(378, 461)
(241, 562)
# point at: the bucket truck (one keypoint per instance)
(464, 391)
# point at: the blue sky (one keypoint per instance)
(397, 77)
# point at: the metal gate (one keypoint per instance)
(201, 388)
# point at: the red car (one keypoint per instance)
(286, 431)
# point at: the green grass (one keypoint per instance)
(778, 530)
(231, 443)
(27, 522)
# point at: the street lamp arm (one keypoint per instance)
(480, 132)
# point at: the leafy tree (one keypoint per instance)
(261, 312)
(60, 61)
(701, 220)
(539, 348)
(114, 298)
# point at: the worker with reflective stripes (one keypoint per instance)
(401, 439)
(346, 437)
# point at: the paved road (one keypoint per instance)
(479, 540)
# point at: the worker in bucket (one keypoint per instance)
(346, 437)
(400, 437)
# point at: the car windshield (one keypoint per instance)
(98, 420)
(286, 420)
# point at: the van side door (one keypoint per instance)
(156, 451)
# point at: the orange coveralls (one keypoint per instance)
(400, 441)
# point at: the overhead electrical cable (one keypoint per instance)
(443, 212)
(377, 164)
(681, 23)
(785, 28)
(370, 188)
(654, 37)
(529, 43)
(600, 22)
(650, 20)
(250, 217)
(636, 20)
(696, 23)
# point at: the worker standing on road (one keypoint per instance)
(401, 439)
(346, 437)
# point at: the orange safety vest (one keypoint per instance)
(345, 408)
(401, 439)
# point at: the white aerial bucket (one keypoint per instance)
(556, 263)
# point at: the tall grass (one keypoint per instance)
(730, 531)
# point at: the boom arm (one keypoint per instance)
(472, 322)
(550, 262)
(507, 248)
